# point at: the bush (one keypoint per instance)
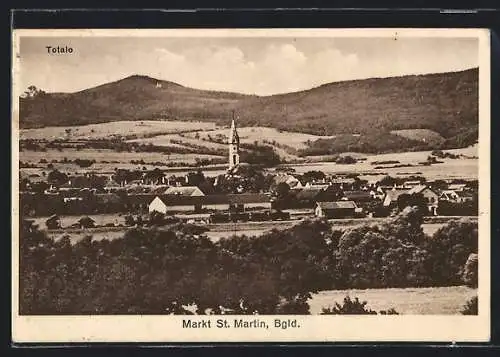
(153, 270)
(354, 307)
(349, 307)
(84, 162)
(470, 307)
(470, 272)
(345, 160)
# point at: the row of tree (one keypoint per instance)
(160, 270)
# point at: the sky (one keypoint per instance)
(259, 65)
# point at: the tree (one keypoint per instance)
(449, 249)
(413, 200)
(470, 307)
(53, 222)
(313, 175)
(354, 307)
(196, 178)
(388, 181)
(129, 220)
(156, 218)
(470, 272)
(349, 307)
(281, 190)
(57, 177)
(345, 160)
(86, 222)
(33, 92)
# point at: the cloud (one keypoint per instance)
(252, 67)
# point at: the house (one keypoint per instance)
(235, 202)
(411, 184)
(344, 183)
(391, 196)
(138, 202)
(184, 191)
(176, 203)
(290, 180)
(457, 187)
(157, 205)
(305, 198)
(430, 196)
(455, 196)
(317, 185)
(465, 196)
(357, 196)
(338, 209)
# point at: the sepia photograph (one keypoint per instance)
(250, 185)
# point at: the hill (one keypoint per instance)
(446, 103)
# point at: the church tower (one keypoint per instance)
(234, 145)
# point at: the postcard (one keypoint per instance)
(264, 185)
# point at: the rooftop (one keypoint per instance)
(337, 205)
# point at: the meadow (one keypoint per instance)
(176, 134)
(466, 168)
(259, 133)
(408, 301)
(117, 128)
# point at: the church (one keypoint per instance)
(234, 146)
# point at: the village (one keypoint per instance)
(153, 188)
(245, 193)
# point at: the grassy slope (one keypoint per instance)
(445, 103)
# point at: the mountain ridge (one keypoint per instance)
(444, 102)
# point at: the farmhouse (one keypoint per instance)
(357, 196)
(455, 196)
(339, 209)
(430, 196)
(290, 180)
(391, 196)
(176, 203)
(232, 202)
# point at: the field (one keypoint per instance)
(258, 133)
(410, 301)
(466, 168)
(106, 160)
(166, 140)
(162, 133)
(424, 135)
(118, 128)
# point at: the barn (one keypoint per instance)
(338, 209)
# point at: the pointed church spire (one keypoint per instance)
(233, 135)
(234, 145)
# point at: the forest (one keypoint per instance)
(163, 269)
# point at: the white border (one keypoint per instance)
(313, 328)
